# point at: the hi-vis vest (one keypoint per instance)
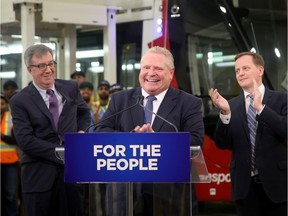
(8, 152)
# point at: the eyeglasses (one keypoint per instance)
(43, 66)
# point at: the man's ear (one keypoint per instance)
(261, 70)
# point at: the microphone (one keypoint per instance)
(115, 114)
(165, 120)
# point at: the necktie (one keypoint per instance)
(53, 106)
(252, 125)
(148, 108)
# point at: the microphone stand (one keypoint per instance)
(115, 114)
(163, 119)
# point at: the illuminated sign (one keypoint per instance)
(127, 157)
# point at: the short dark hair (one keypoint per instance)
(9, 83)
(257, 58)
(79, 73)
(86, 84)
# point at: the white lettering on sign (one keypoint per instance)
(114, 157)
(124, 164)
(220, 177)
(149, 150)
(109, 150)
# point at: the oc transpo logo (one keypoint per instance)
(219, 178)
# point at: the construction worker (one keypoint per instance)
(9, 163)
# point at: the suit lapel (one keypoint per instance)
(39, 102)
(266, 100)
(137, 113)
(167, 105)
(243, 114)
(65, 99)
(267, 96)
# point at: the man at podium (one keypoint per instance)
(156, 107)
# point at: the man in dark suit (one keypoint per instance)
(259, 161)
(38, 133)
(178, 107)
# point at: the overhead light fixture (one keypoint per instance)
(223, 9)
(277, 52)
(89, 54)
(7, 74)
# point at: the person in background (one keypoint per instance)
(42, 113)
(97, 191)
(10, 87)
(253, 126)
(115, 88)
(86, 91)
(9, 163)
(178, 107)
(103, 99)
(78, 76)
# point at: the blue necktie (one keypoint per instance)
(252, 125)
(149, 108)
(53, 106)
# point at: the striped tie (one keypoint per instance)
(149, 109)
(252, 125)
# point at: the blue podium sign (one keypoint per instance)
(127, 157)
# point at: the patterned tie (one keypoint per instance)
(252, 125)
(148, 108)
(53, 106)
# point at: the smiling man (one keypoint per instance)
(42, 113)
(178, 107)
(253, 126)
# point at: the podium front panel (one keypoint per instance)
(127, 157)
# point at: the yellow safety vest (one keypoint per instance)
(9, 153)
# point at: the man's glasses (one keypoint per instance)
(43, 66)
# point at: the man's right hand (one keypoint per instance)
(143, 128)
(219, 101)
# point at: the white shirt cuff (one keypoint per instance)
(225, 118)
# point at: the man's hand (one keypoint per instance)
(257, 103)
(143, 128)
(219, 101)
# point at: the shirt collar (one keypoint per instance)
(42, 91)
(159, 97)
(261, 89)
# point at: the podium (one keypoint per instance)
(128, 162)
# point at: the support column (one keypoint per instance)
(68, 52)
(28, 33)
(109, 46)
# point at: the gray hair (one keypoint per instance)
(37, 50)
(162, 51)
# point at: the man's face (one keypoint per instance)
(86, 94)
(4, 105)
(44, 78)
(155, 76)
(9, 91)
(103, 92)
(246, 71)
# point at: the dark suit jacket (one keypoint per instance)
(36, 134)
(181, 109)
(270, 150)
(178, 107)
